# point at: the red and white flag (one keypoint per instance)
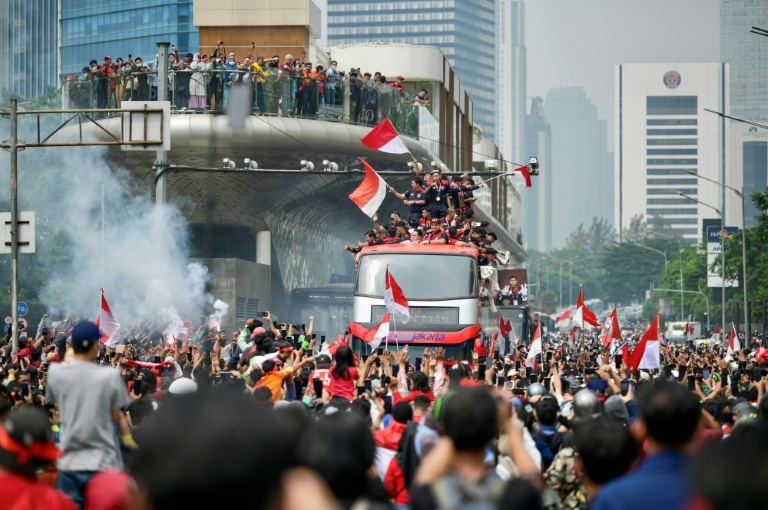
(584, 318)
(108, 325)
(611, 330)
(733, 342)
(385, 138)
(562, 321)
(715, 336)
(374, 336)
(689, 331)
(394, 299)
(371, 192)
(647, 354)
(535, 350)
(501, 336)
(523, 176)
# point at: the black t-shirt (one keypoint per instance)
(437, 196)
(413, 194)
(519, 494)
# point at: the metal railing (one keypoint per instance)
(273, 92)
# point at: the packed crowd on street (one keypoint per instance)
(154, 420)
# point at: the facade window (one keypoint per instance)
(670, 191)
(672, 182)
(677, 211)
(671, 141)
(671, 105)
(667, 201)
(672, 122)
(673, 132)
(672, 152)
(659, 161)
(669, 171)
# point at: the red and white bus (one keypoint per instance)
(441, 285)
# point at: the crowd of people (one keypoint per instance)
(271, 416)
(287, 85)
(440, 213)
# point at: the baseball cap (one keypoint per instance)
(323, 361)
(84, 335)
(107, 58)
(401, 77)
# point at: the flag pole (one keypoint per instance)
(581, 290)
(397, 345)
(103, 262)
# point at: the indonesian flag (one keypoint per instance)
(733, 342)
(523, 176)
(584, 318)
(371, 192)
(572, 335)
(611, 330)
(108, 325)
(394, 299)
(501, 336)
(384, 138)
(715, 335)
(374, 336)
(646, 355)
(562, 321)
(535, 350)
(689, 331)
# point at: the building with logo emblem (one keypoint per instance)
(664, 138)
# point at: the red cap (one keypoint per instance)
(107, 58)
(401, 77)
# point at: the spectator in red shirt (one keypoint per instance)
(399, 85)
(26, 445)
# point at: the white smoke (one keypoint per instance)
(221, 308)
(142, 264)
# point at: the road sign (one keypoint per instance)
(23, 324)
(9, 320)
(26, 232)
(23, 309)
(139, 126)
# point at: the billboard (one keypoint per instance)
(714, 235)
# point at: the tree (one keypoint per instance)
(636, 231)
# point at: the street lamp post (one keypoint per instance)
(740, 194)
(721, 213)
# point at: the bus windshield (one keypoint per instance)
(422, 277)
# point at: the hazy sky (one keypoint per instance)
(573, 43)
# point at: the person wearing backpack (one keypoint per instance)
(457, 473)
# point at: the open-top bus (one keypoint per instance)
(441, 285)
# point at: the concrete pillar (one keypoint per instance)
(264, 247)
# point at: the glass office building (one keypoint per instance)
(28, 58)
(93, 29)
(463, 29)
(747, 56)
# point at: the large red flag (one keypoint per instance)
(385, 138)
(646, 354)
(371, 192)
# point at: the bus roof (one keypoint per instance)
(427, 249)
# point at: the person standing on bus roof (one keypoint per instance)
(438, 195)
(437, 235)
(414, 199)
